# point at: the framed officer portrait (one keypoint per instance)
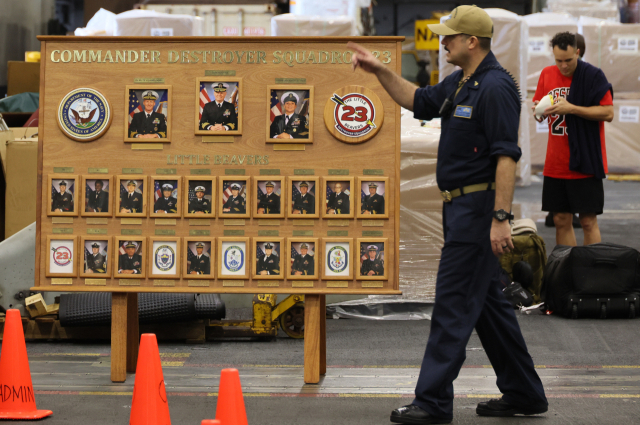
(303, 198)
(62, 257)
(200, 255)
(233, 254)
(338, 201)
(337, 256)
(164, 258)
(218, 106)
(290, 114)
(269, 258)
(269, 197)
(148, 117)
(371, 265)
(62, 195)
(132, 199)
(302, 259)
(234, 197)
(96, 200)
(165, 198)
(200, 197)
(129, 257)
(372, 202)
(95, 262)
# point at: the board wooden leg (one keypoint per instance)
(118, 337)
(323, 334)
(133, 332)
(312, 331)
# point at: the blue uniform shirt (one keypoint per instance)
(483, 123)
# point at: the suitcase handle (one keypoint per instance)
(611, 262)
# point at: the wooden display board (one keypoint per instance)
(216, 120)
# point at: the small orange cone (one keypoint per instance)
(149, 405)
(16, 390)
(211, 422)
(230, 407)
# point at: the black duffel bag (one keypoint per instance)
(601, 280)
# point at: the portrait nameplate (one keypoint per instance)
(95, 282)
(337, 233)
(303, 233)
(62, 220)
(338, 284)
(96, 220)
(233, 283)
(164, 282)
(129, 282)
(98, 170)
(62, 281)
(203, 283)
(194, 232)
(301, 284)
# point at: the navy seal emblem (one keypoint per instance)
(234, 258)
(338, 259)
(84, 114)
(165, 258)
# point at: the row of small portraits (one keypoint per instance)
(222, 258)
(231, 197)
(289, 111)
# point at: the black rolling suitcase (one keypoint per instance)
(598, 280)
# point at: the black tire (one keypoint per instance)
(574, 311)
(632, 311)
(603, 311)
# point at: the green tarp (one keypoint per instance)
(23, 102)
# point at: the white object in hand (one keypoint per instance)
(545, 102)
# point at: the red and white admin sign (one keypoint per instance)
(353, 114)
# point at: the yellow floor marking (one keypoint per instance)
(172, 364)
(621, 367)
(212, 394)
(175, 354)
(624, 177)
(619, 395)
(68, 354)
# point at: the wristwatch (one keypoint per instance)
(501, 215)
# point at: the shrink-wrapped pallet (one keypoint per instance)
(597, 9)
(621, 135)
(542, 27)
(312, 26)
(152, 23)
(420, 209)
(613, 47)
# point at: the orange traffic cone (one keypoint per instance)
(16, 390)
(211, 422)
(149, 405)
(230, 408)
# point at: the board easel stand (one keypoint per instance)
(125, 336)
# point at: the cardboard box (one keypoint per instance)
(621, 135)
(21, 193)
(22, 77)
(615, 49)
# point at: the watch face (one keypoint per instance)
(501, 215)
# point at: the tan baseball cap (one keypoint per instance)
(470, 20)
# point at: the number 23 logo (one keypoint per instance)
(557, 129)
(350, 110)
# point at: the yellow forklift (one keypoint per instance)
(288, 314)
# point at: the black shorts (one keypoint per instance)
(573, 195)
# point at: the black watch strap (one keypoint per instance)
(502, 215)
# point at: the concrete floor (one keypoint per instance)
(590, 368)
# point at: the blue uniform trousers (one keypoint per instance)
(468, 295)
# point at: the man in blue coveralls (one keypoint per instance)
(480, 110)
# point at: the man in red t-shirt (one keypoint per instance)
(565, 191)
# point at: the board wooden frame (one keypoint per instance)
(254, 258)
(178, 258)
(126, 112)
(359, 241)
(64, 237)
(116, 256)
(316, 258)
(247, 260)
(359, 214)
(214, 196)
(151, 194)
(212, 258)
(248, 197)
(83, 180)
(107, 271)
(324, 181)
(290, 181)
(283, 196)
(291, 87)
(145, 181)
(323, 243)
(67, 177)
(220, 79)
